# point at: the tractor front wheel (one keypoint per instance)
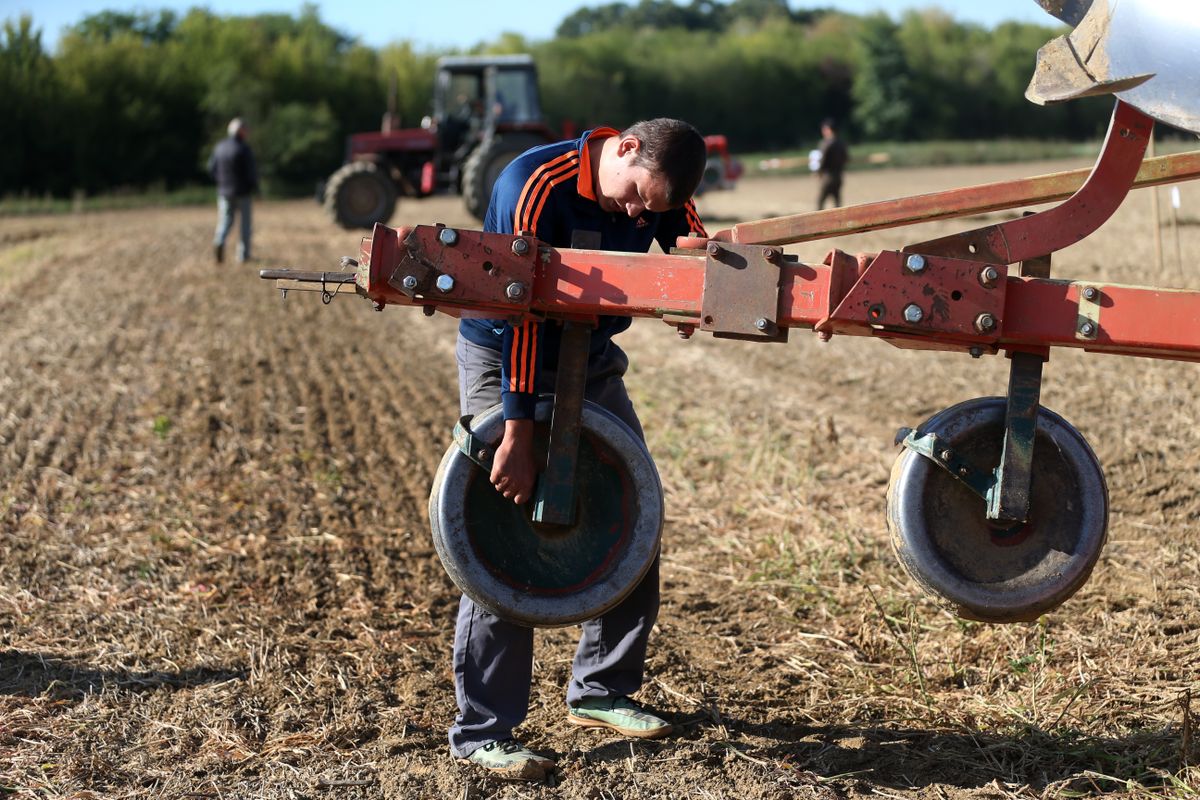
(360, 194)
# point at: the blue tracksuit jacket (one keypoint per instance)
(548, 192)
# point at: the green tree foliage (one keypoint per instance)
(139, 99)
(882, 86)
(29, 130)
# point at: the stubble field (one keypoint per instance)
(216, 576)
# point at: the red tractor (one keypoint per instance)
(486, 112)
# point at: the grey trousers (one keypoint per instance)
(493, 659)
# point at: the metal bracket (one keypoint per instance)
(939, 452)
(1009, 499)
(465, 268)
(1087, 325)
(1006, 489)
(554, 495)
(741, 292)
(914, 294)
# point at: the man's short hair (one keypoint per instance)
(235, 126)
(829, 122)
(674, 149)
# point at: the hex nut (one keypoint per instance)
(761, 323)
(514, 291)
(915, 263)
(1087, 328)
(1090, 293)
(409, 282)
(448, 237)
(985, 322)
(520, 247)
(913, 313)
(445, 283)
(989, 275)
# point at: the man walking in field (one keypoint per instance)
(833, 156)
(232, 167)
(623, 191)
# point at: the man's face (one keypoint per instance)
(626, 188)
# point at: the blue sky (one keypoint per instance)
(462, 23)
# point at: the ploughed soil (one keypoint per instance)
(217, 579)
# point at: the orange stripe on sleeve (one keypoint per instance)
(526, 377)
(552, 183)
(534, 179)
(514, 360)
(537, 199)
(693, 219)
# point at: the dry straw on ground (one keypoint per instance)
(216, 579)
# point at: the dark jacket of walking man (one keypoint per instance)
(623, 191)
(232, 167)
(834, 156)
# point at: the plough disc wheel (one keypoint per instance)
(982, 570)
(541, 575)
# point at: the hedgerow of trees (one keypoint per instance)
(138, 99)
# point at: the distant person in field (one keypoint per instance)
(232, 167)
(832, 156)
(627, 190)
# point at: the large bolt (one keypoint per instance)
(713, 249)
(1090, 293)
(445, 283)
(976, 351)
(409, 282)
(915, 263)
(514, 291)
(989, 275)
(448, 237)
(761, 323)
(1087, 328)
(520, 247)
(770, 254)
(985, 322)
(913, 313)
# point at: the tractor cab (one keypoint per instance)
(476, 97)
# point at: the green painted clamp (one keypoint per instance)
(932, 447)
(471, 445)
(986, 485)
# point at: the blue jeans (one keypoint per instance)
(226, 206)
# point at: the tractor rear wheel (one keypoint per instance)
(485, 164)
(360, 194)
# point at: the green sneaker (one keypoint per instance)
(510, 760)
(618, 714)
